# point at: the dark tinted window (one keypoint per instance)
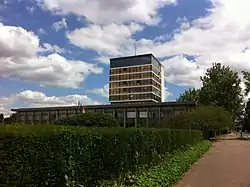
(130, 61)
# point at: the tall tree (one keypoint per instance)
(246, 77)
(221, 87)
(189, 95)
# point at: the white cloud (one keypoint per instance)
(4, 102)
(223, 35)
(179, 70)
(109, 39)
(51, 48)
(167, 94)
(17, 42)
(53, 70)
(101, 91)
(30, 9)
(60, 25)
(19, 60)
(109, 11)
(29, 98)
(41, 31)
(103, 59)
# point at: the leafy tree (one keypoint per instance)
(209, 119)
(246, 77)
(189, 95)
(221, 87)
(247, 117)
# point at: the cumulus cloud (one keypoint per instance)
(223, 35)
(179, 70)
(167, 94)
(109, 39)
(29, 98)
(17, 42)
(109, 11)
(60, 25)
(19, 60)
(101, 91)
(46, 47)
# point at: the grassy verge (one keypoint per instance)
(172, 169)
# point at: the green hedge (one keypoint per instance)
(89, 120)
(53, 155)
(172, 169)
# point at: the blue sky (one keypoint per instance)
(55, 52)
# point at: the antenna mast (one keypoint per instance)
(135, 47)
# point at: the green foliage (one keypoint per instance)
(247, 117)
(172, 169)
(204, 118)
(221, 87)
(190, 95)
(89, 120)
(66, 155)
(246, 77)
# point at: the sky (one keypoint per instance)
(56, 52)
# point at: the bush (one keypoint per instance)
(89, 120)
(209, 119)
(172, 169)
(54, 155)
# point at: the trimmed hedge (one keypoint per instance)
(89, 120)
(172, 169)
(55, 156)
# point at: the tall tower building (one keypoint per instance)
(136, 79)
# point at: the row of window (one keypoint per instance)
(131, 76)
(150, 114)
(134, 90)
(134, 97)
(134, 83)
(135, 76)
(53, 112)
(156, 64)
(131, 69)
(135, 102)
(157, 72)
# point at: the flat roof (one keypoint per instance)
(111, 106)
(133, 56)
(135, 60)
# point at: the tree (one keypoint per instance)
(189, 95)
(246, 77)
(211, 120)
(221, 87)
(247, 117)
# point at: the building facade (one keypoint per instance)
(129, 115)
(136, 79)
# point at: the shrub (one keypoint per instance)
(172, 169)
(54, 155)
(89, 120)
(208, 119)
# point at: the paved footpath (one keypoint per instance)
(226, 164)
